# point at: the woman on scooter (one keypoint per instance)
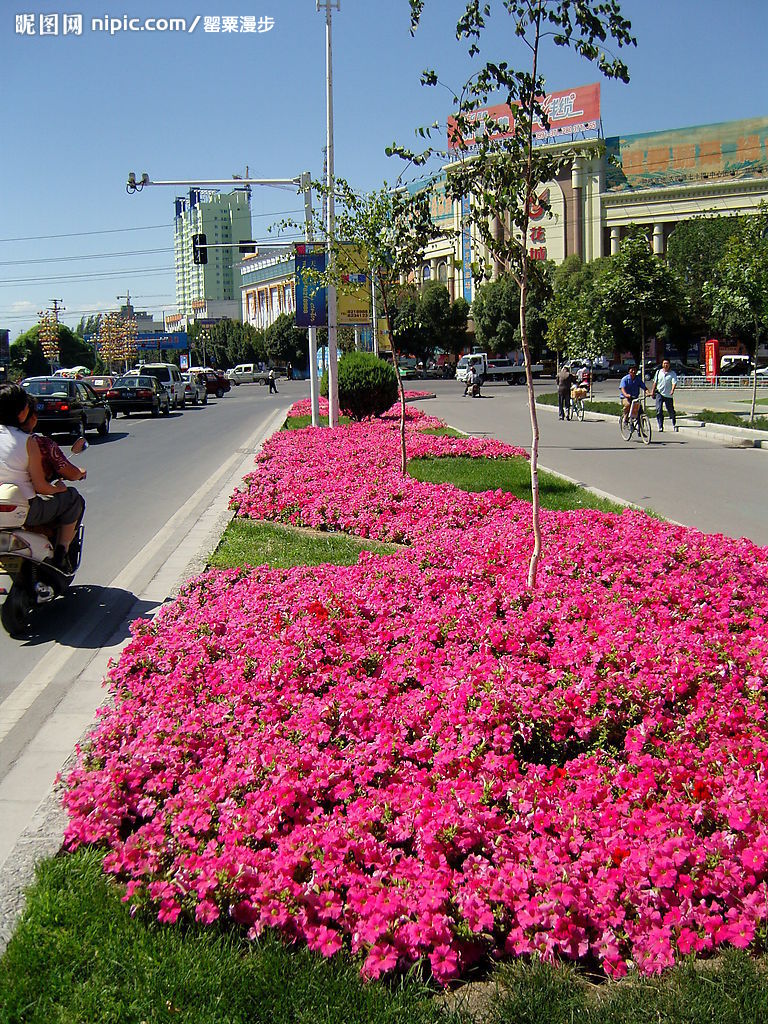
(50, 504)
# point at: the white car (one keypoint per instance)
(167, 374)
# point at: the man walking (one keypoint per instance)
(272, 384)
(564, 381)
(662, 389)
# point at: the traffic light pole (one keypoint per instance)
(303, 182)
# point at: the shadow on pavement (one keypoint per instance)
(87, 617)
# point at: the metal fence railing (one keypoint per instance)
(721, 382)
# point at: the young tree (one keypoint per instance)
(738, 290)
(503, 177)
(637, 289)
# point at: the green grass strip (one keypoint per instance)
(731, 419)
(253, 542)
(604, 408)
(299, 422)
(731, 990)
(512, 475)
(78, 957)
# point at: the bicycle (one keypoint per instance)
(578, 408)
(640, 422)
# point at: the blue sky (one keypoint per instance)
(81, 111)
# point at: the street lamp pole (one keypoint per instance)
(314, 392)
(333, 384)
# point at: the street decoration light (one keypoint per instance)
(48, 334)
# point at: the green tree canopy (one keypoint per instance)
(738, 290)
(27, 357)
(693, 251)
(576, 318)
(637, 290)
(285, 343)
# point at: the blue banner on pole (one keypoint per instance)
(311, 295)
(173, 341)
(466, 249)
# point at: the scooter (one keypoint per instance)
(28, 577)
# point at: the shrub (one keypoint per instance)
(367, 385)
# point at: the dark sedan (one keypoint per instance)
(217, 383)
(139, 394)
(67, 406)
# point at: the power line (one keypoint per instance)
(90, 256)
(113, 275)
(113, 231)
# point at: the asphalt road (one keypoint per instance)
(713, 487)
(148, 483)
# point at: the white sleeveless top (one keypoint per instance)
(14, 460)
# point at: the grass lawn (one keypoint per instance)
(299, 422)
(603, 407)
(78, 957)
(249, 542)
(511, 475)
(731, 419)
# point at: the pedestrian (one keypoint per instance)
(289, 372)
(271, 378)
(662, 389)
(564, 381)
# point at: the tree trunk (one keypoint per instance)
(533, 564)
(754, 382)
(400, 387)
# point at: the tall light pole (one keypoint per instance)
(333, 383)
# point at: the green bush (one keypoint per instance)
(367, 385)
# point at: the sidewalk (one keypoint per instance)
(30, 809)
(714, 485)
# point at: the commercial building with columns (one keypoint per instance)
(655, 179)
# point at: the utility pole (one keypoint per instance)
(333, 383)
(314, 391)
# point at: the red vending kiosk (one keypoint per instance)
(712, 358)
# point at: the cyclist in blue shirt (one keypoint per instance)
(629, 388)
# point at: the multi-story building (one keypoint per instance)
(655, 179)
(268, 287)
(225, 219)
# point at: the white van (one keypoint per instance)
(167, 374)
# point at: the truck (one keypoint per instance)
(493, 368)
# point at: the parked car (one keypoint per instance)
(409, 368)
(598, 370)
(66, 405)
(741, 367)
(195, 391)
(138, 393)
(169, 375)
(216, 381)
(100, 385)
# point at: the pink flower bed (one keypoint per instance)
(415, 758)
(304, 478)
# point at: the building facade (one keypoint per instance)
(268, 287)
(656, 179)
(225, 219)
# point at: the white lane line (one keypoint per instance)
(21, 699)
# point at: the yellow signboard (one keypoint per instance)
(382, 334)
(353, 295)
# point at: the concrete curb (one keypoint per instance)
(74, 716)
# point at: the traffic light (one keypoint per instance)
(199, 251)
(248, 247)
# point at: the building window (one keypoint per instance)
(442, 271)
(426, 273)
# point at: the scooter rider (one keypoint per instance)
(50, 504)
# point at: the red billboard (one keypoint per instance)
(570, 111)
